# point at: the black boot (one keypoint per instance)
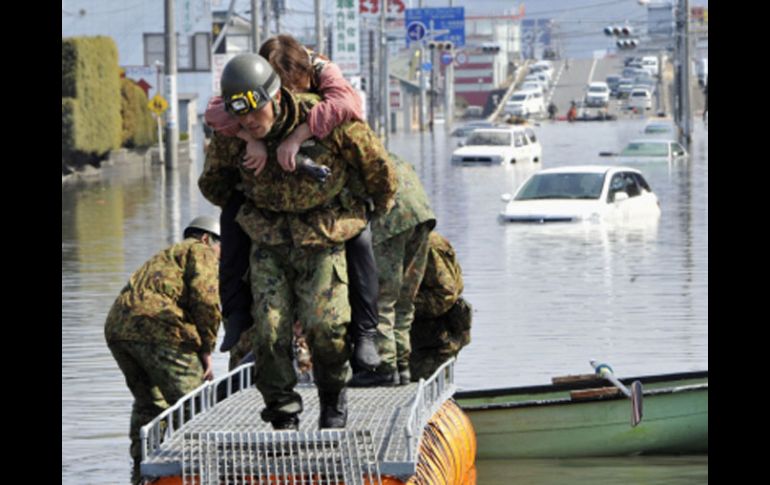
(365, 354)
(289, 422)
(334, 409)
(404, 376)
(368, 378)
(363, 291)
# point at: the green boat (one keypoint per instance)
(581, 416)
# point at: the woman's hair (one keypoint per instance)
(290, 60)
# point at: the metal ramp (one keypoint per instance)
(221, 439)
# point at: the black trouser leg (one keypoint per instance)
(234, 292)
(363, 290)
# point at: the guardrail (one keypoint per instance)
(430, 395)
(198, 401)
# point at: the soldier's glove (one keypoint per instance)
(317, 171)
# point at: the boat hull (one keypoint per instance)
(545, 422)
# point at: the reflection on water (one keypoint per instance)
(546, 299)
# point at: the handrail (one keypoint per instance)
(204, 397)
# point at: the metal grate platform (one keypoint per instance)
(223, 440)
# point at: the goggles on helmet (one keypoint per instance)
(243, 103)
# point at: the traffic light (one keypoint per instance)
(623, 33)
(490, 48)
(440, 45)
(627, 43)
(618, 31)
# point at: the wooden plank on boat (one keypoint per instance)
(594, 393)
(575, 379)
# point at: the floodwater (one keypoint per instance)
(546, 299)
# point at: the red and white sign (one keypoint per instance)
(395, 94)
(373, 6)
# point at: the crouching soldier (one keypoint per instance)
(442, 323)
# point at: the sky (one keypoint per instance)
(581, 21)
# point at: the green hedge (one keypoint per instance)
(139, 127)
(91, 84)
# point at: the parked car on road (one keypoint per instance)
(597, 95)
(500, 145)
(613, 80)
(650, 63)
(640, 98)
(624, 87)
(583, 193)
(525, 103)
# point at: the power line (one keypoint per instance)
(572, 9)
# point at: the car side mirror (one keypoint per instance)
(506, 197)
(620, 196)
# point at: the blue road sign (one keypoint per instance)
(416, 31)
(446, 58)
(450, 21)
(427, 66)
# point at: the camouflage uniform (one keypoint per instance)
(442, 320)
(165, 316)
(400, 241)
(297, 227)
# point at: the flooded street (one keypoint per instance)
(546, 298)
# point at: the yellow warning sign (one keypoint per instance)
(157, 104)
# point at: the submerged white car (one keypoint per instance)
(500, 145)
(583, 193)
(652, 150)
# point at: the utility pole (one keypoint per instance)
(384, 81)
(172, 129)
(433, 70)
(319, 27)
(421, 77)
(372, 105)
(265, 18)
(449, 89)
(277, 12)
(256, 42)
(683, 116)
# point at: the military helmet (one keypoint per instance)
(248, 82)
(203, 223)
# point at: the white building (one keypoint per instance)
(137, 27)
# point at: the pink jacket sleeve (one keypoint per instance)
(220, 120)
(339, 103)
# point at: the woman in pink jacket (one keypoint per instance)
(300, 70)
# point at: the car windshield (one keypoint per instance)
(562, 186)
(645, 149)
(519, 97)
(465, 129)
(657, 129)
(597, 89)
(489, 138)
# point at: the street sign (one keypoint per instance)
(416, 31)
(446, 58)
(427, 66)
(157, 104)
(447, 23)
(461, 58)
